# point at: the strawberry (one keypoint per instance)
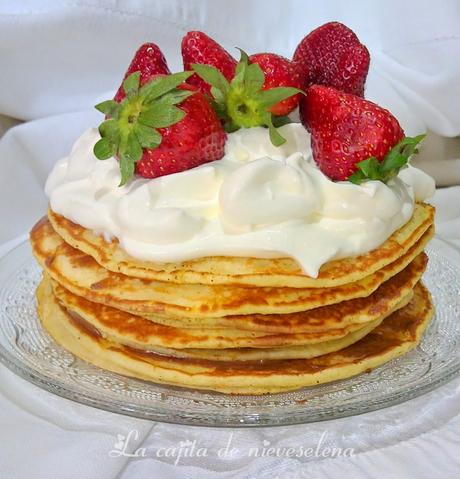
(149, 61)
(244, 94)
(279, 72)
(197, 139)
(332, 55)
(197, 47)
(247, 100)
(161, 128)
(353, 138)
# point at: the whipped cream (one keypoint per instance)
(258, 200)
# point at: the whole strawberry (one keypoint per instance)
(196, 139)
(248, 99)
(352, 138)
(332, 55)
(279, 72)
(149, 61)
(161, 128)
(197, 47)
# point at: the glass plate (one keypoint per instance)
(27, 350)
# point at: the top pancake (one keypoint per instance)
(276, 272)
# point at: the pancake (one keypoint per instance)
(125, 328)
(305, 351)
(396, 335)
(119, 327)
(277, 272)
(83, 276)
(354, 311)
(333, 317)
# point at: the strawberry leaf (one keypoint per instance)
(268, 98)
(275, 136)
(370, 168)
(253, 79)
(218, 96)
(156, 116)
(161, 85)
(133, 149)
(396, 159)
(126, 169)
(240, 70)
(398, 156)
(220, 109)
(357, 177)
(109, 108)
(244, 58)
(147, 137)
(109, 129)
(131, 84)
(280, 121)
(175, 97)
(230, 126)
(212, 76)
(104, 149)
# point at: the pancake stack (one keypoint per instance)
(232, 324)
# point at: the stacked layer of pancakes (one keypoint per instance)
(232, 324)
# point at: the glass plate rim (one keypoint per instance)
(232, 420)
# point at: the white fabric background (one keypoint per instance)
(57, 59)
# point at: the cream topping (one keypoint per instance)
(258, 200)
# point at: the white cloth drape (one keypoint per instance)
(60, 56)
(57, 59)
